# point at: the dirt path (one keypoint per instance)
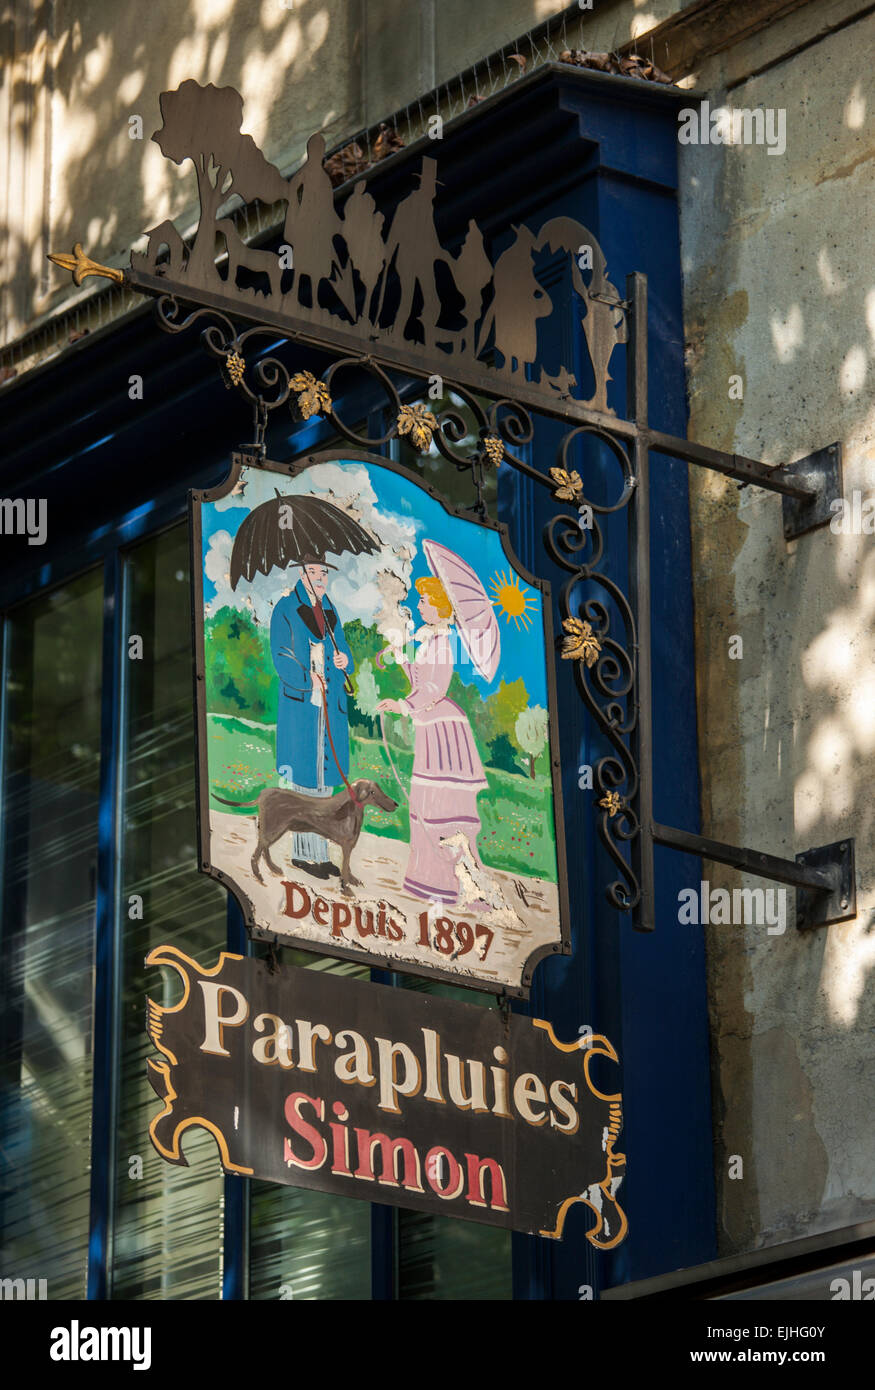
(525, 917)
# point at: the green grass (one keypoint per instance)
(241, 760)
(516, 811)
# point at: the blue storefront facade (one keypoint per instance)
(98, 787)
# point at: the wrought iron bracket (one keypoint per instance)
(825, 877)
(356, 306)
(818, 908)
(822, 472)
(808, 486)
(609, 670)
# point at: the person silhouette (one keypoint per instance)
(604, 318)
(472, 272)
(363, 234)
(413, 246)
(518, 303)
(310, 227)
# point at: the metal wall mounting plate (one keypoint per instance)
(821, 470)
(819, 909)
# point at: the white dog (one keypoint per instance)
(475, 883)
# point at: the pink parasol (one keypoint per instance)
(472, 609)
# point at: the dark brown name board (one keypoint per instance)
(388, 1095)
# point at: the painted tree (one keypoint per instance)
(531, 729)
(203, 124)
(389, 682)
(367, 696)
(240, 675)
(500, 710)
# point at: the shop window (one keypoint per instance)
(308, 1245)
(51, 777)
(168, 1225)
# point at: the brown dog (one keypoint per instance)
(337, 818)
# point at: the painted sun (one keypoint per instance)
(512, 600)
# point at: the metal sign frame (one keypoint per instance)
(354, 312)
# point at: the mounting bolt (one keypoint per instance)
(843, 848)
(844, 903)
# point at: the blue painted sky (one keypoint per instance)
(402, 515)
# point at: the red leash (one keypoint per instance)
(352, 795)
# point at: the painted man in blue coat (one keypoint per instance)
(312, 660)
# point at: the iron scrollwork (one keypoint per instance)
(599, 634)
(604, 655)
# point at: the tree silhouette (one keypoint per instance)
(203, 124)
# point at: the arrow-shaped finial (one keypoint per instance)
(81, 265)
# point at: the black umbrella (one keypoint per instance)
(295, 531)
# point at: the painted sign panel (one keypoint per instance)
(319, 1081)
(377, 770)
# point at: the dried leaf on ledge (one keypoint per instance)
(386, 143)
(352, 159)
(346, 163)
(620, 64)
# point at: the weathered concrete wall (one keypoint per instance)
(779, 289)
(80, 71)
(74, 72)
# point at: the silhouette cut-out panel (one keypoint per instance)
(357, 271)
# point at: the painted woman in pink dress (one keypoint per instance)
(447, 771)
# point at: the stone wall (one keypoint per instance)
(779, 290)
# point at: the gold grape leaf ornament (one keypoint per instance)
(580, 642)
(569, 485)
(419, 424)
(314, 398)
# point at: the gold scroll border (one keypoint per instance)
(179, 961)
(595, 1045)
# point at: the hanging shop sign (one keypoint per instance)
(406, 289)
(378, 771)
(319, 1081)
